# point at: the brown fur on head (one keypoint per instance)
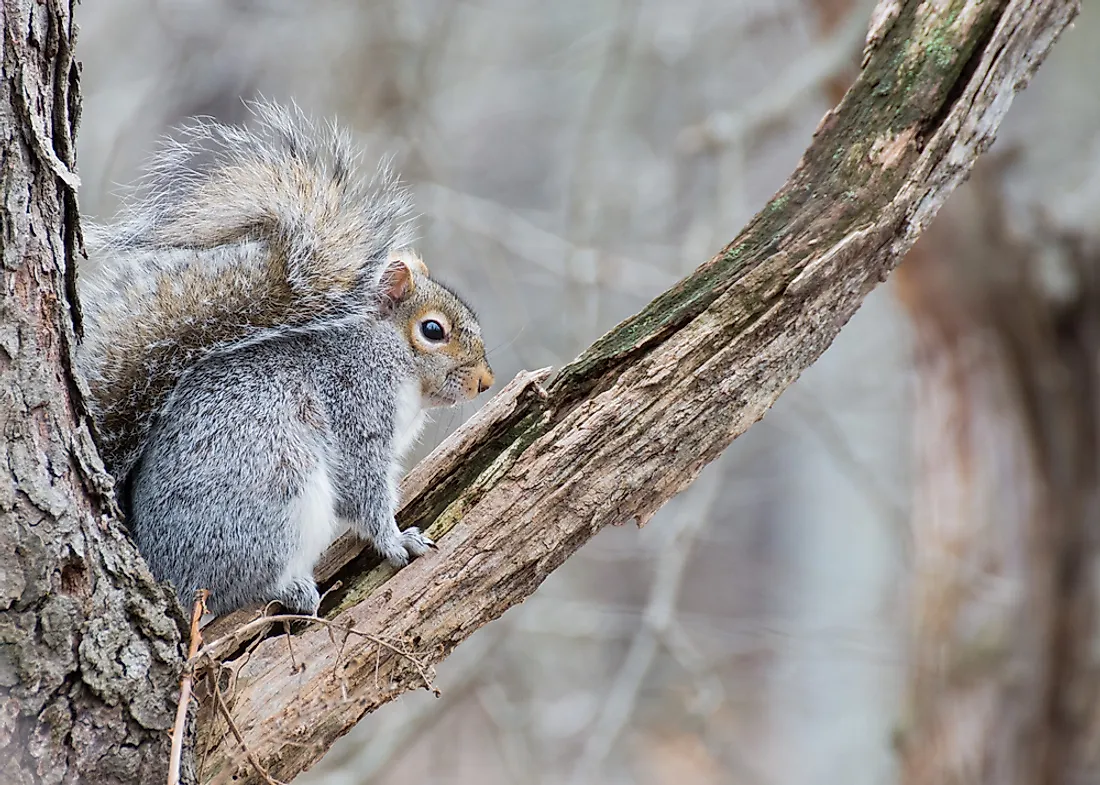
(441, 330)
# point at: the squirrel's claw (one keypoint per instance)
(416, 544)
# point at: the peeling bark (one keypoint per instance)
(633, 420)
(89, 643)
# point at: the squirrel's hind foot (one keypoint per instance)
(300, 596)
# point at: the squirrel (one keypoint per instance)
(260, 346)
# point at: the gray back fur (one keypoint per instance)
(236, 234)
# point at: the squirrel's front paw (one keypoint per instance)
(415, 542)
(411, 544)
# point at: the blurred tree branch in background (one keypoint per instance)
(633, 420)
(1003, 675)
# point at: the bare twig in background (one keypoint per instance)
(526, 240)
(656, 623)
(511, 732)
(579, 206)
(730, 133)
(800, 79)
(709, 692)
(820, 422)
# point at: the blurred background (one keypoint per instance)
(572, 160)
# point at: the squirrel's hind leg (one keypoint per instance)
(299, 595)
(314, 519)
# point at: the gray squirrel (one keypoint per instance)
(260, 346)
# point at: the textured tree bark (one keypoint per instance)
(89, 648)
(633, 420)
(1003, 679)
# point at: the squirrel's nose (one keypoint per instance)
(484, 378)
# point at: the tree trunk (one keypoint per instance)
(89, 650)
(1003, 679)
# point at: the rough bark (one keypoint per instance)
(632, 421)
(1003, 678)
(89, 650)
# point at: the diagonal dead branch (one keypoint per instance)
(209, 656)
(632, 421)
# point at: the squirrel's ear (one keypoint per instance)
(396, 281)
(397, 278)
(411, 259)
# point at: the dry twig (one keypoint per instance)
(219, 701)
(209, 655)
(176, 755)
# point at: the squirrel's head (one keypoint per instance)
(442, 331)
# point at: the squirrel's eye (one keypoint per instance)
(432, 330)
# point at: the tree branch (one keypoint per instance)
(632, 421)
(1004, 554)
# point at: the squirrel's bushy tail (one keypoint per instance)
(235, 234)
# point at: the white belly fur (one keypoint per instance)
(315, 509)
(410, 417)
(318, 525)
